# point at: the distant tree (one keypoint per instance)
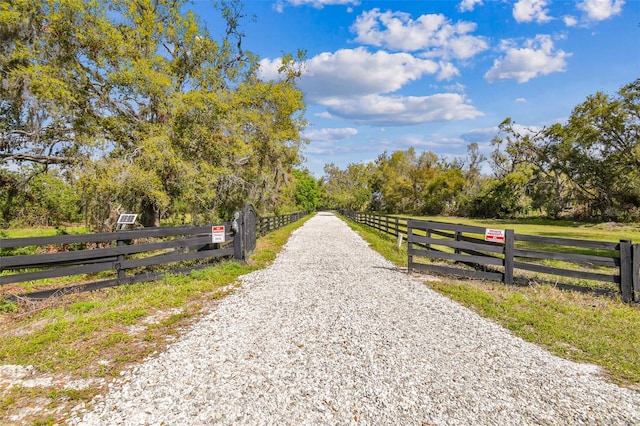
(442, 191)
(501, 197)
(307, 190)
(471, 168)
(534, 155)
(402, 177)
(350, 188)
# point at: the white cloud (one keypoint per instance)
(330, 134)
(599, 10)
(521, 100)
(447, 71)
(269, 68)
(402, 110)
(357, 72)
(434, 34)
(318, 4)
(537, 57)
(354, 84)
(531, 11)
(570, 21)
(469, 5)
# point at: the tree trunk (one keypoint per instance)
(150, 217)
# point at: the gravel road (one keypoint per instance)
(333, 334)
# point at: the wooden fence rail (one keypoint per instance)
(128, 256)
(471, 251)
(271, 223)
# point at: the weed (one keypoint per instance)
(7, 306)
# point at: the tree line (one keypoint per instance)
(111, 106)
(585, 169)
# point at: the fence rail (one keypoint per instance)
(464, 250)
(270, 223)
(129, 256)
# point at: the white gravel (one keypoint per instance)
(333, 334)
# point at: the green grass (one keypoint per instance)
(41, 231)
(581, 327)
(97, 334)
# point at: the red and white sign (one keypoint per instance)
(495, 235)
(217, 234)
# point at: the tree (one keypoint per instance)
(590, 164)
(534, 153)
(307, 190)
(402, 178)
(501, 197)
(179, 122)
(350, 188)
(600, 150)
(36, 198)
(442, 191)
(46, 117)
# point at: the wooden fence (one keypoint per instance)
(270, 223)
(128, 256)
(495, 254)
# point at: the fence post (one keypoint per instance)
(238, 237)
(635, 273)
(626, 271)
(509, 239)
(457, 238)
(409, 246)
(122, 273)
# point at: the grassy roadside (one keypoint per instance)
(68, 348)
(576, 326)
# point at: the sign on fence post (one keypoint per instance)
(495, 235)
(217, 234)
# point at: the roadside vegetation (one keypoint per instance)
(89, 338)
(577, 326)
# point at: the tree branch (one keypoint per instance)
(41, 159)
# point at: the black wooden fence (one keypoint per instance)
(494, 254)
(129, 256)
(270, 223)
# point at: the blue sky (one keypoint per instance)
(438, 75)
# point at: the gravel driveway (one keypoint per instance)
(333, 334)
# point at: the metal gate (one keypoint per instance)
(249, 219)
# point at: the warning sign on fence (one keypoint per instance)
(217, 234)
(494, 235)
